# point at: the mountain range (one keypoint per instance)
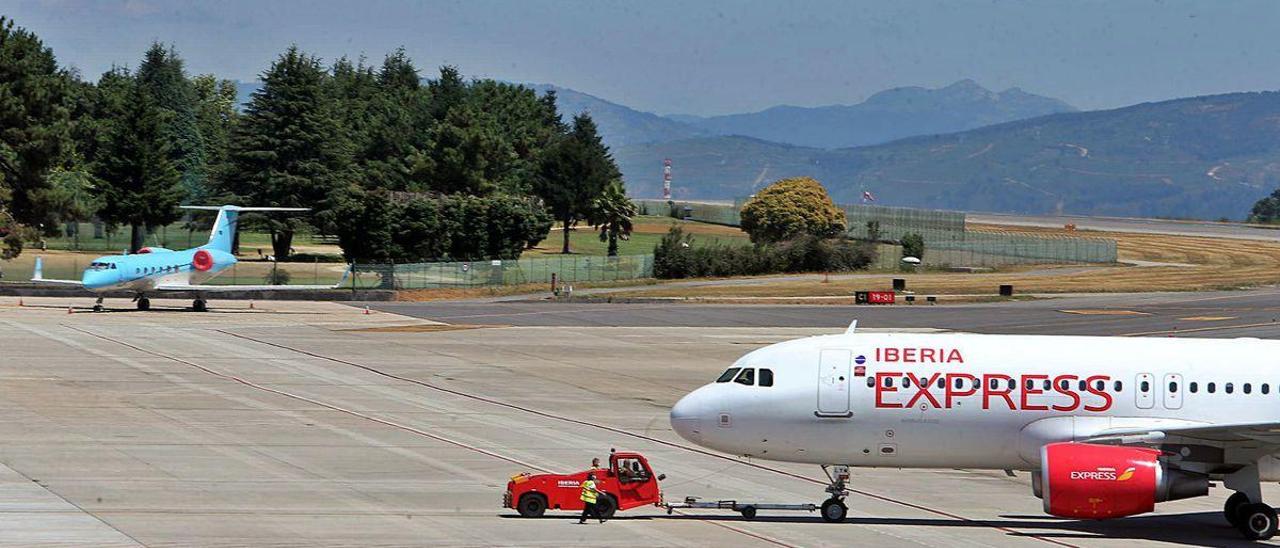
(1200, 157)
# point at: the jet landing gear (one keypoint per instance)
(1245, 510)
(200, 305)
(144, 304)
(833, 509)
(97, 305)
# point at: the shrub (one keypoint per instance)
(790, 208)
(676, 256)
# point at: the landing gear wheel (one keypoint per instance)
(749, 512)
(532, 506)
(606, 506)
(1231, 510)
(144, 304)
(1257, 521)
(199, 305)
(834, 511)
(97, 308)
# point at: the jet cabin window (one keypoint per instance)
(729, 374)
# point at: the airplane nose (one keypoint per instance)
(686, 417)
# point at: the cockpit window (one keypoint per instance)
(729, 374)
(766, 377)
(101, 266)
(747, 377)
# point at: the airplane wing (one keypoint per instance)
(228, 288)
(38, 276)
(1216, 434)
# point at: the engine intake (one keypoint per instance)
(202, 260)
(1081, 480)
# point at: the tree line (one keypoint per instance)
(395, 166)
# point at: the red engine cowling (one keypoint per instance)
(202, 260)
(1081, 480)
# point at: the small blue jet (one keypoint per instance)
(156, 269)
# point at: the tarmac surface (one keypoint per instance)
(316, 424)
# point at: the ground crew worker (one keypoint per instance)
(595, 463)
(589, 497)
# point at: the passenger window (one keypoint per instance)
(747, 377)
(766, 377)
(1192, 387)
(906, 383)
(1048, 384)
(1228, 388)
(1266, 389)
(1083, 384)
(871, 382)
(941, 383)
(1063, 384)
(959, 383)
(995, 384)
(729, 374)
(888, 382)
(1210, 388)
(1012, 385)
(1173, 388)
(1247, 388)
(1118, 385)
(1031, 384)
(1099, 385)
(1145, 387)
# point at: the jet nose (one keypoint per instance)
(686, 416)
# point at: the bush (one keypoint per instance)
(791, 208)
(676, 256)
(913, 246)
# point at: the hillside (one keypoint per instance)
(885, 116)
(619, 125)
(1203, 157)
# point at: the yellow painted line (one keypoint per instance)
(1207, 318)
(1105, 312)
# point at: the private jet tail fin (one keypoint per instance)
(224, 228)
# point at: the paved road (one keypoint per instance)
(1126, 224)
(1224, 314)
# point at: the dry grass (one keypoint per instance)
(1215, 264)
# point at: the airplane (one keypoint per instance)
(155, 269)
(1106, 426)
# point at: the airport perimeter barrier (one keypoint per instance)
(567, 269)
(947, 243)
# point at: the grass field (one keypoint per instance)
(646, 233)
(1169, 263)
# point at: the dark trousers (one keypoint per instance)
(589, 508)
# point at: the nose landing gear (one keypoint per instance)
(200, 305)
(834, 509)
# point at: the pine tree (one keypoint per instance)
(574, 172)
(162, 78)
(288, 148)
(141, 186)
(35, 132)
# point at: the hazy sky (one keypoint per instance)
(709, 57)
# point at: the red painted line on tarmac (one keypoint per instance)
(635, 435)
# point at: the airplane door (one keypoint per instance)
(834, 383)
(1172, 388)
(1144, 390)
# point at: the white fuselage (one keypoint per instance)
(842, 399)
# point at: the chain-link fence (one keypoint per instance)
(947, 243)
(567, 269)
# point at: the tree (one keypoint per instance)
(1266, 210)
(163, 80)
(288, 148)
(789, 208)
(35, 132)
(215, 109)
(913, 246)
(611, 214)
(141, 186)
(574, 170)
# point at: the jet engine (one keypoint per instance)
(1081, 480)
(202, 260)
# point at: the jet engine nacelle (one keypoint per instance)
(202, 260)
(1081, 480)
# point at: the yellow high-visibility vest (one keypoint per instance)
(589, 492)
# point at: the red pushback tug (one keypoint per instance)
(628, 482)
